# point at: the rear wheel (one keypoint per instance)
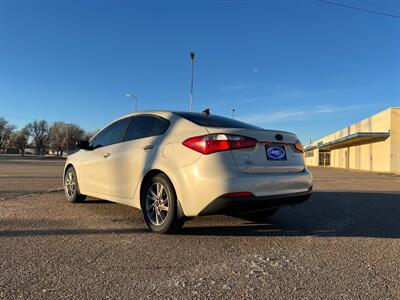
(159, 205)
(71, 187)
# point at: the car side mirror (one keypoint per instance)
(84, 145)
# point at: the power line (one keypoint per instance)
(359, 8)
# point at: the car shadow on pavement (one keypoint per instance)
(325, 214)
(72, 231)
(97, 201)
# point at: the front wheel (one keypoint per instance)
(159, 205)
(71, 187)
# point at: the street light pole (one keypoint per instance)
(68, 124)
(192, 56)
(133, 97)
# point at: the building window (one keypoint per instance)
(324, 159)
(310, 153)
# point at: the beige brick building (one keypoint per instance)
(372, 144)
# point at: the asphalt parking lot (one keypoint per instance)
(343, 243)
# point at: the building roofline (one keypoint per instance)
(388, 108)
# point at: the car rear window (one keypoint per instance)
(214, 121)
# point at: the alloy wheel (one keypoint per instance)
(157, 203)
(70, 185)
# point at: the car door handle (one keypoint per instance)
(148, 147)
(106, 155)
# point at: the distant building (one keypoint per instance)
(9, 150)
(372, 144)
(12, 150)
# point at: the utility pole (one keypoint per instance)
(68, 138)
(192, 56)
(133, 97)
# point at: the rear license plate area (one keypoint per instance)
(275, 152)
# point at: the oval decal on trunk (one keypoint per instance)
(276, 152)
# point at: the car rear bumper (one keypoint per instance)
(201, 184)
(253, 203)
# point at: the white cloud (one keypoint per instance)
(278, 116)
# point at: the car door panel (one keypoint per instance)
(92, 172)
(140, 145)
(94, 168)
(128, 163)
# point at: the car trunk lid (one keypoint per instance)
(256, 159)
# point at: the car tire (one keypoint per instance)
(71, 187)
(159, 205)
(260, 216)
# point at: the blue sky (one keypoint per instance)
(302, 66)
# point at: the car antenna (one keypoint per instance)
(206, 111)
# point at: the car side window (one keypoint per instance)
(111, 134)
(160, 126)
(145, 126)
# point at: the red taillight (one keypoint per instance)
(211, 143)
(299, 146)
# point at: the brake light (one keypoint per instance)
(211, 143)
(299, 146)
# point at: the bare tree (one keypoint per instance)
(60, 131)
(19, 140)
(40, 136)
(39, 131)
(89, 134)
(75, 134)
(5, 132)
(58, 137)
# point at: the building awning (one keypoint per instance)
(309, 148)
(355, 139)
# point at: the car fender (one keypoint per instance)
(162, 168)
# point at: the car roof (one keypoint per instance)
(170, 115)
(162, 113)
